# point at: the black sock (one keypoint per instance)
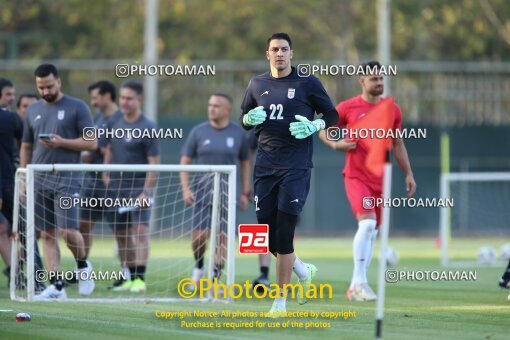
(81, 263)
(265, 271)
(198, 254)
(217, 270)
(132, 271)
(506, 274)
(140, 272)
(57, 282)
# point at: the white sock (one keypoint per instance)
(281, 301)
(370, 249)
(300, 269)
(361, 242)
(127, 273)
(197, 274)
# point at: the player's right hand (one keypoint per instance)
(86, 156)
(345, 145)
(22, 193)
(105, 176)
(255, 116)
(188, 196)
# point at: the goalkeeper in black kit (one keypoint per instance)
(280, 105)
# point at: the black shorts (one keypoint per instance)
(119, 219)
(280, 189)
(52, 209)
(7, 207)
(202, 207)
(93, 188)
(125, 218)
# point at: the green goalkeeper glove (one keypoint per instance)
(255, 116)
(304, 128)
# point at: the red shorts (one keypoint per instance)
(362, 196)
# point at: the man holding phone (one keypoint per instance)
(53, 134)
(45, 137)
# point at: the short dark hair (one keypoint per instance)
(25, 95)
(134, 85)
(4, 83)
(279, 36)
(45, 70)
(371, 66)
(224, 95)
(104, 86)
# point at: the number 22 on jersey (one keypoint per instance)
(276, 111)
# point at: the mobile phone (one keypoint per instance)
(45, 136)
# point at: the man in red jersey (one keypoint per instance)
(360, 182)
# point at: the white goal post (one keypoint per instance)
(171, 220)
(483, 186)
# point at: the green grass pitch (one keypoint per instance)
(414, 310)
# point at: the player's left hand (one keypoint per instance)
(54, 142)
(144, 198)
(305, 128)
(244, 202)
(410, 185)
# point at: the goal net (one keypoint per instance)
(473, 230)
(46, 196)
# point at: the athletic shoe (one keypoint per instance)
(353, 295)
(368, 293)
(312, 270)
(276, 311)
(86, 282)
(361, 292)
(51, 293)
(73, 280)
(196, 275)
(138, 286)
(39, 287)
(117, 283)
(124, 286)
(261, 284)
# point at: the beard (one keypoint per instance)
(377, 91)
(128, 110)
(50, 98)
